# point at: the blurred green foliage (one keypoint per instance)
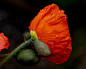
(65, 3)
(79, 37)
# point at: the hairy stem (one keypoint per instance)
(15, 51)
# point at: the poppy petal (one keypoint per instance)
(51, 28)
(4, 42)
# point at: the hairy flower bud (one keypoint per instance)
(27, 57)
(41, 48)
(26, 35)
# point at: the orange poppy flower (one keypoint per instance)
(50, 26)
(4, 44)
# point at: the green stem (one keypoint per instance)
(15, 51)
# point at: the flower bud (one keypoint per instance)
(27, 57)
(26, 35)
(41, 48)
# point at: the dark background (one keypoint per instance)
(15, 17)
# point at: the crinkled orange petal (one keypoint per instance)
(51, 27)
(4, 42)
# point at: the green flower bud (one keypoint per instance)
(27, 57)
(26, 35)
(41, 48)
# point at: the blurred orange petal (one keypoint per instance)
(4, 42)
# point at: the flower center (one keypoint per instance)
(33, 35)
